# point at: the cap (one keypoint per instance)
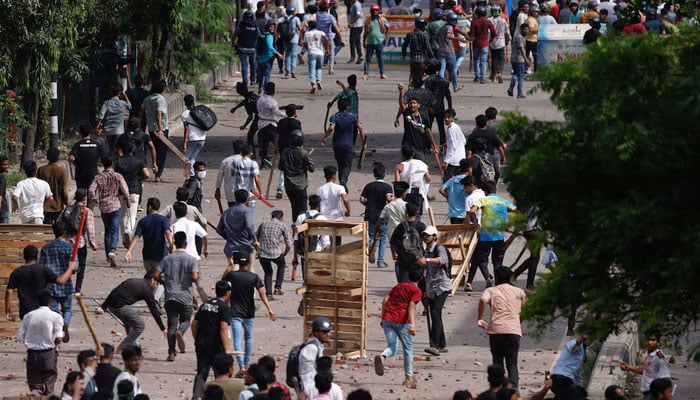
(277, 214)
(240, 259)
(430, 230)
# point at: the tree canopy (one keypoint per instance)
(615, 184)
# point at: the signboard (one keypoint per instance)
(557, 43)
(400, 26)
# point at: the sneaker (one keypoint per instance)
(270, 297)
(381, 265)
(481, 81)
(111, 259)
(489, 282)
(372, 257)
(267, 162)
(365, 77)
(66, 334)
(278, 292)
(171, 357)
(286, 76)
(379, 364)
(432, 350)
(279, 194)
(293, 75)
(240, 374)
(410, 383)
(521, 96)
(510, 92)
(180, 341)
(359, 61)
(384, 77)
(351, 60)
(300, 309)
(500, 79)
(475, 79)
(468, 287)
(443, 349)
(140, 209)
(318, 85)
(458, 88)
(313, 89)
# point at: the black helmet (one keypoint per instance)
(481, 11)
(594, 23)
(296, 137)
(321, 324)
(248, 16)
(420, 24)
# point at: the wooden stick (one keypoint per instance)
(272, 173)
(264, 200)
(83, 216)
(221, 208)
(98, 344)
(432, 217)
(178, 153)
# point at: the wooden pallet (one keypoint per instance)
(460, 240)
(15, 237)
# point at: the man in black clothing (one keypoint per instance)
(210, 331)
(282, 139)
(416, 127)
(28, 279)
(375, 195)
(296, 164)
(493, 143)
(403, 265)
(136, 95)
(194, 185)
(120, 302)
(134, 171)
(105, 374)
(243, 286)
(85, 155)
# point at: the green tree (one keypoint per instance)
(616, 182)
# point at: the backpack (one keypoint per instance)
(203, 117)
(261, 43)
(71, 217)
(313, 240)
(488, 172)
(286, 29)
(411, 248)
(448, 267)
(293, 379)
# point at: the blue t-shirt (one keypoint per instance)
(493, 218)
(152, 229)
(344, 125)
(456, 197)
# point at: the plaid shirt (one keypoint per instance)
(269, 233)
(440, 88)
(106, 189)
(418, 43)
(353, 101)
(56, 255)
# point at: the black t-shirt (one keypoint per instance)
(139, 139)
(284, 128)
(209, 319)
(397, 237)
(243, 286)
(28, 280)
(87, 154)
(375, 193)
(130, 167)
(194, 191)
(136, 97)
(492, 142)
(414, 129)
(105, 375)
(487, 395)
(3, 189)
(591, 36)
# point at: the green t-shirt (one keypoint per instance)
(152, 104)
(375, 34)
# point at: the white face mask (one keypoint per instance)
(201, 174)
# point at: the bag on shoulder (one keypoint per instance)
(286, 29)
(71, 217)
(488, 172)
(203, 116)
(313, 239)
(411, 243)
(293, 379)
(261, 43)
(447, 268)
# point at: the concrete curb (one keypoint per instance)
(622, 347)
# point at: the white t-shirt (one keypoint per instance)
(32, 193)
(336, 392)
(191, 229)
(455, 145)
(196, 133)
(414, 174)
(472, 199)
(325, 240)
(125, 375)
(314, 42)
(331, 202)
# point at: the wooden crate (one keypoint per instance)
(336, 285)
(14, 238)
(460, 240)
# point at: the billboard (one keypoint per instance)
(560, 42)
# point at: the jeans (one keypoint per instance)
(128, 221)
(356, 42)
(133, 323)
(240, 327)
(344, 160)
(298, 200)
(451, 63)
(315, 68)
(267, 267)
(395, 332)
(264, 71)
(111, 222)
(382, 240)
(290, 56)
(193, 149)
(379, 49)
(460, 55)
(481, 258)
(178, 321)
(481, 57)
(161, 152)
(66, 306)
(506, 346)
(5, 217)
(518, 76)
(437, 329)
(498, 57)
(248, 60)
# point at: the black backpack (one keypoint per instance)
(411, 248)
(203, 117)
(71, 218)
(488, 172)
(313, 240)
(261, 43)
(293, 379)
(286, 29)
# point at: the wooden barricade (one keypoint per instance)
(14, 238)
(460, 240)
(335, 286)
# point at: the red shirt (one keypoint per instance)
(480, 31)
(455, 42)
(396, 308)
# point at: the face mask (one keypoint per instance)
(201, 174)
